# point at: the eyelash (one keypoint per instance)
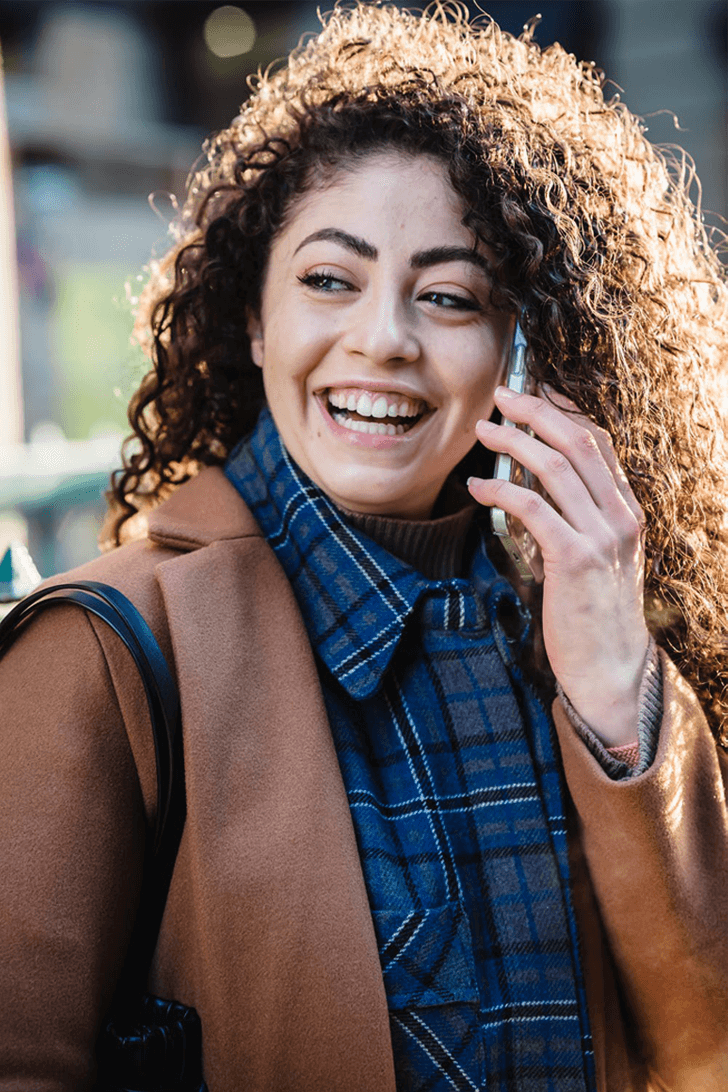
(462, 303)
(316, 280)
(322, 281)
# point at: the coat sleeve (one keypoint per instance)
(72, 835)
(656, 846)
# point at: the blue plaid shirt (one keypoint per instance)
(455, 792)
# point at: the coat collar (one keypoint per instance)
(354, 596)
(209, 509)
(204, 510)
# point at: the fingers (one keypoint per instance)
(573, 459)
(554, 535)
(555, 472)
(606, 447)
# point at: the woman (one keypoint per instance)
(384, 881)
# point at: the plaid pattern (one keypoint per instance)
(455, 793)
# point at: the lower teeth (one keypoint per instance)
(373, 428)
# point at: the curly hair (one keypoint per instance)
(595, 238)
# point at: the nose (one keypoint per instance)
(381, 328)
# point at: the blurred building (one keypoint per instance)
(108, 103)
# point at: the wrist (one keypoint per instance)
(612, 709)
(614, 724)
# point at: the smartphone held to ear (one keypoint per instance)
(519, 544)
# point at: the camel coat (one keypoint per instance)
(267, 930)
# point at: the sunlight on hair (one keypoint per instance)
(600, 238)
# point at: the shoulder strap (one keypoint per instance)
(160, 689)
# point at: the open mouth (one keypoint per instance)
(375, 413)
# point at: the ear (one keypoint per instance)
(255, 333)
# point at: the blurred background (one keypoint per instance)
(107, 105)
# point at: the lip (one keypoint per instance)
(363, 439)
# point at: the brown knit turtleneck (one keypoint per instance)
(432, 546)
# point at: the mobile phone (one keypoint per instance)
(518, 543)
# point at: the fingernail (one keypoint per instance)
(505, 392)
(473, 481)
(484, 425)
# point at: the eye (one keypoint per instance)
(325, 281)
(448, 301)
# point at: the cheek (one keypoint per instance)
(472, 360)
(472, 377)
(296, 341)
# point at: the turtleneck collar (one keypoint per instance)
(434, 547)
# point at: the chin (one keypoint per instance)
(366, 503)
(381, 504)
(362, 489)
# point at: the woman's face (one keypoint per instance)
(378, 346)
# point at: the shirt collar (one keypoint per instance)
(355, 597)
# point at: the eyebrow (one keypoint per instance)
(437, 255)
(421, 259)
(351, 242)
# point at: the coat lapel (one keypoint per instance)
(267, 930)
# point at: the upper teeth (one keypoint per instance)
(377, 405)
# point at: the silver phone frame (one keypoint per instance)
(516, 379)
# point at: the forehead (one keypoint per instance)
(387, 196)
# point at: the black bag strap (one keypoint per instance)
(162, 696)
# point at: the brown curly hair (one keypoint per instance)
(595, 237)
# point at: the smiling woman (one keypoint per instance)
(432, 840)
(370, 310)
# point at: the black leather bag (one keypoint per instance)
(147, 1044)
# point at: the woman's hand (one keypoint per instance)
(593, 617)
